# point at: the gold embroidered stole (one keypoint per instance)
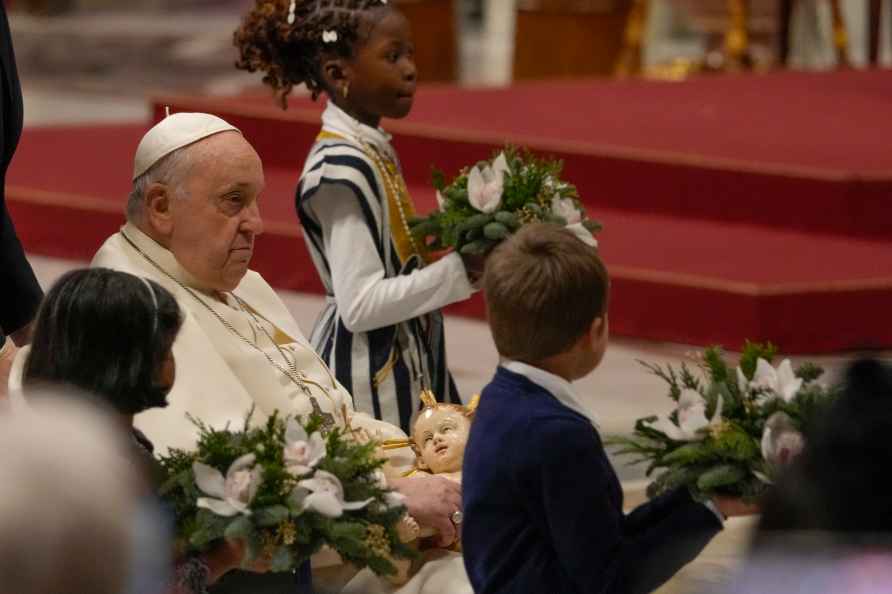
(398, 198)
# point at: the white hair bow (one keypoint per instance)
(330, 36)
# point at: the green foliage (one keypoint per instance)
(279, 525)
(725, 457)
(528, 189)
(752, 352)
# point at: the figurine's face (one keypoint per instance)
(441, 435)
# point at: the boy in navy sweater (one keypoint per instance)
(542, 505)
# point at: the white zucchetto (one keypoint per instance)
(174, 132)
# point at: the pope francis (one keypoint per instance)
(192, 219)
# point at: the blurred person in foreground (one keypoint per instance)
(19, 292)
(827, 524)
(68, 500)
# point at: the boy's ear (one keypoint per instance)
(599, 327)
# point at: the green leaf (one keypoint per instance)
(722, 475)
(496, 231)
(752, 352)
(269, 517)
(240, 528)
(736, 444)
(691, 453)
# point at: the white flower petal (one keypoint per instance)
(583, 234)
(765, 376)
(668, 428)
(324, 503)
(690, 398)
(219, 507)
(717, 415)
(763, 477)
(742, 383)
(500, 166)
(693, 420)
(209, 479)
(317, 449)
(441, 202)
(241, 463)
(297, 470)
(294, 432)
(476, 186)
(788, 383)
(238, 506)
(353, 505)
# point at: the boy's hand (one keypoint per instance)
(734, 506)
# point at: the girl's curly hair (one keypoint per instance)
(289, 54)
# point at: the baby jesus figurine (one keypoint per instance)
(439, 436)
(438, 439)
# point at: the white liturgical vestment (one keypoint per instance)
(223, 369)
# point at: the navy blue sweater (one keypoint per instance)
(543, 506)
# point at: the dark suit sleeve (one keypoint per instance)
(20, 293)
(595, 546)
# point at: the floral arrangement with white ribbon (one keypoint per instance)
(488, 201)
(733, 428)
(285, 490)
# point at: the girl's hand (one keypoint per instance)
(475, 264)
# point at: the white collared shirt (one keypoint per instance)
(554, 384)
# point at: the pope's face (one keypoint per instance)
(441, 435)
(213, 228)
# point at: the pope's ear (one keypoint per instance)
(157, 204)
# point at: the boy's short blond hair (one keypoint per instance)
(544, 288)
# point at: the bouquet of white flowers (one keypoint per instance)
(490, 200)
(733, 429)
(285, 490)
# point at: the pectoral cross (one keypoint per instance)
(328, 421)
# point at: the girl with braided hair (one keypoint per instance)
(381, 330)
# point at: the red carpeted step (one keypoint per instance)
(788, 150)
(673, 278)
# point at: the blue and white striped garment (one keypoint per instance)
(417, 345)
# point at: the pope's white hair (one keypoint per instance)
(68, 495)
(171, 170)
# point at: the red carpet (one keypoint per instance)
(750, 207)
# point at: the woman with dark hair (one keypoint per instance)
(110, 335)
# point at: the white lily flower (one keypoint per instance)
(782, 381)
(742, 383)
(302, 453)
(326, 495)
(691, 418)
(231, 495)
(781, 442)
(485, 185)
(582, 234)
(567, 209)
